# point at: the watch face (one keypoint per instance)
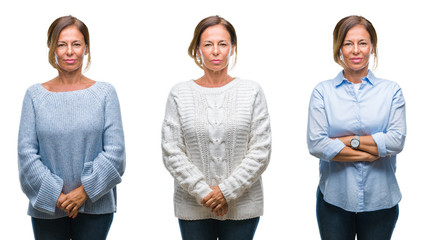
(354, 143)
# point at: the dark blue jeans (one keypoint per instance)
(335, 223)
(83, 227)
(211, 229)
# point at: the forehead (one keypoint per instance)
(216, 32)
(357, 32)
(71, 33)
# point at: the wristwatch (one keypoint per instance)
(354, 143)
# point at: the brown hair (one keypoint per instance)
(201, 27)
(341, 29)
(53, 35)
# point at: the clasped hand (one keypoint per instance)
(215, 200)
(72, 201)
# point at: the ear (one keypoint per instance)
(85, 50)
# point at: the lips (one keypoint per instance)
(356, 60)
(70, 61)
(216, 61)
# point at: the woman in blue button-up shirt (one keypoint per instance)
(356, 127)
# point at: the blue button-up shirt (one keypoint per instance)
(336, 110)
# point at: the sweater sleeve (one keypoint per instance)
(41, 186)
(104, 172)
(175, 158)
(258, 152)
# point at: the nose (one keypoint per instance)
(215, 49)
(356, 48)
(69, 50)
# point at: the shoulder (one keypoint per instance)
(381, 82)
(103, 90)
(35, 91)
(331, 84)
(104, 87)
(382, 85)
(249, 85)
(35, 88)
(180, 87)
(102, 93)
(324, 87)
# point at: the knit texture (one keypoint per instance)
(67, 139)
(217, 136)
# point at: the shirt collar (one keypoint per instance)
(340, 79)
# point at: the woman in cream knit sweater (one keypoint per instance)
(216, 142)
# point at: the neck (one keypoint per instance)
(214, 78)
(354, 76)
(69, 78)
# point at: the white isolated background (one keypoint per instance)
(141, 48)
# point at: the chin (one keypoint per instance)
(70, 68)
(216, 68)
(357, 67)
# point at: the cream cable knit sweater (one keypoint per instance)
(217, 136)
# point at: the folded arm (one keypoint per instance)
(333, 149)
(366, 151)
(380, 144)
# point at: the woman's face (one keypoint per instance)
(357, 48)
(215, 48)
(70, 49)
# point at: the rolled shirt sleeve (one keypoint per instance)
(392, 141)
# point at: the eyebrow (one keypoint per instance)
(348, 40)
(72, 41)
(209, 41)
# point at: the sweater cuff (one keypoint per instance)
(225, 191)
(203, 192)
(48, 194)
(95, 183)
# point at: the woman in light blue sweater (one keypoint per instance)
(71, 151)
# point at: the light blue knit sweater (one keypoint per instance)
(67, 139)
